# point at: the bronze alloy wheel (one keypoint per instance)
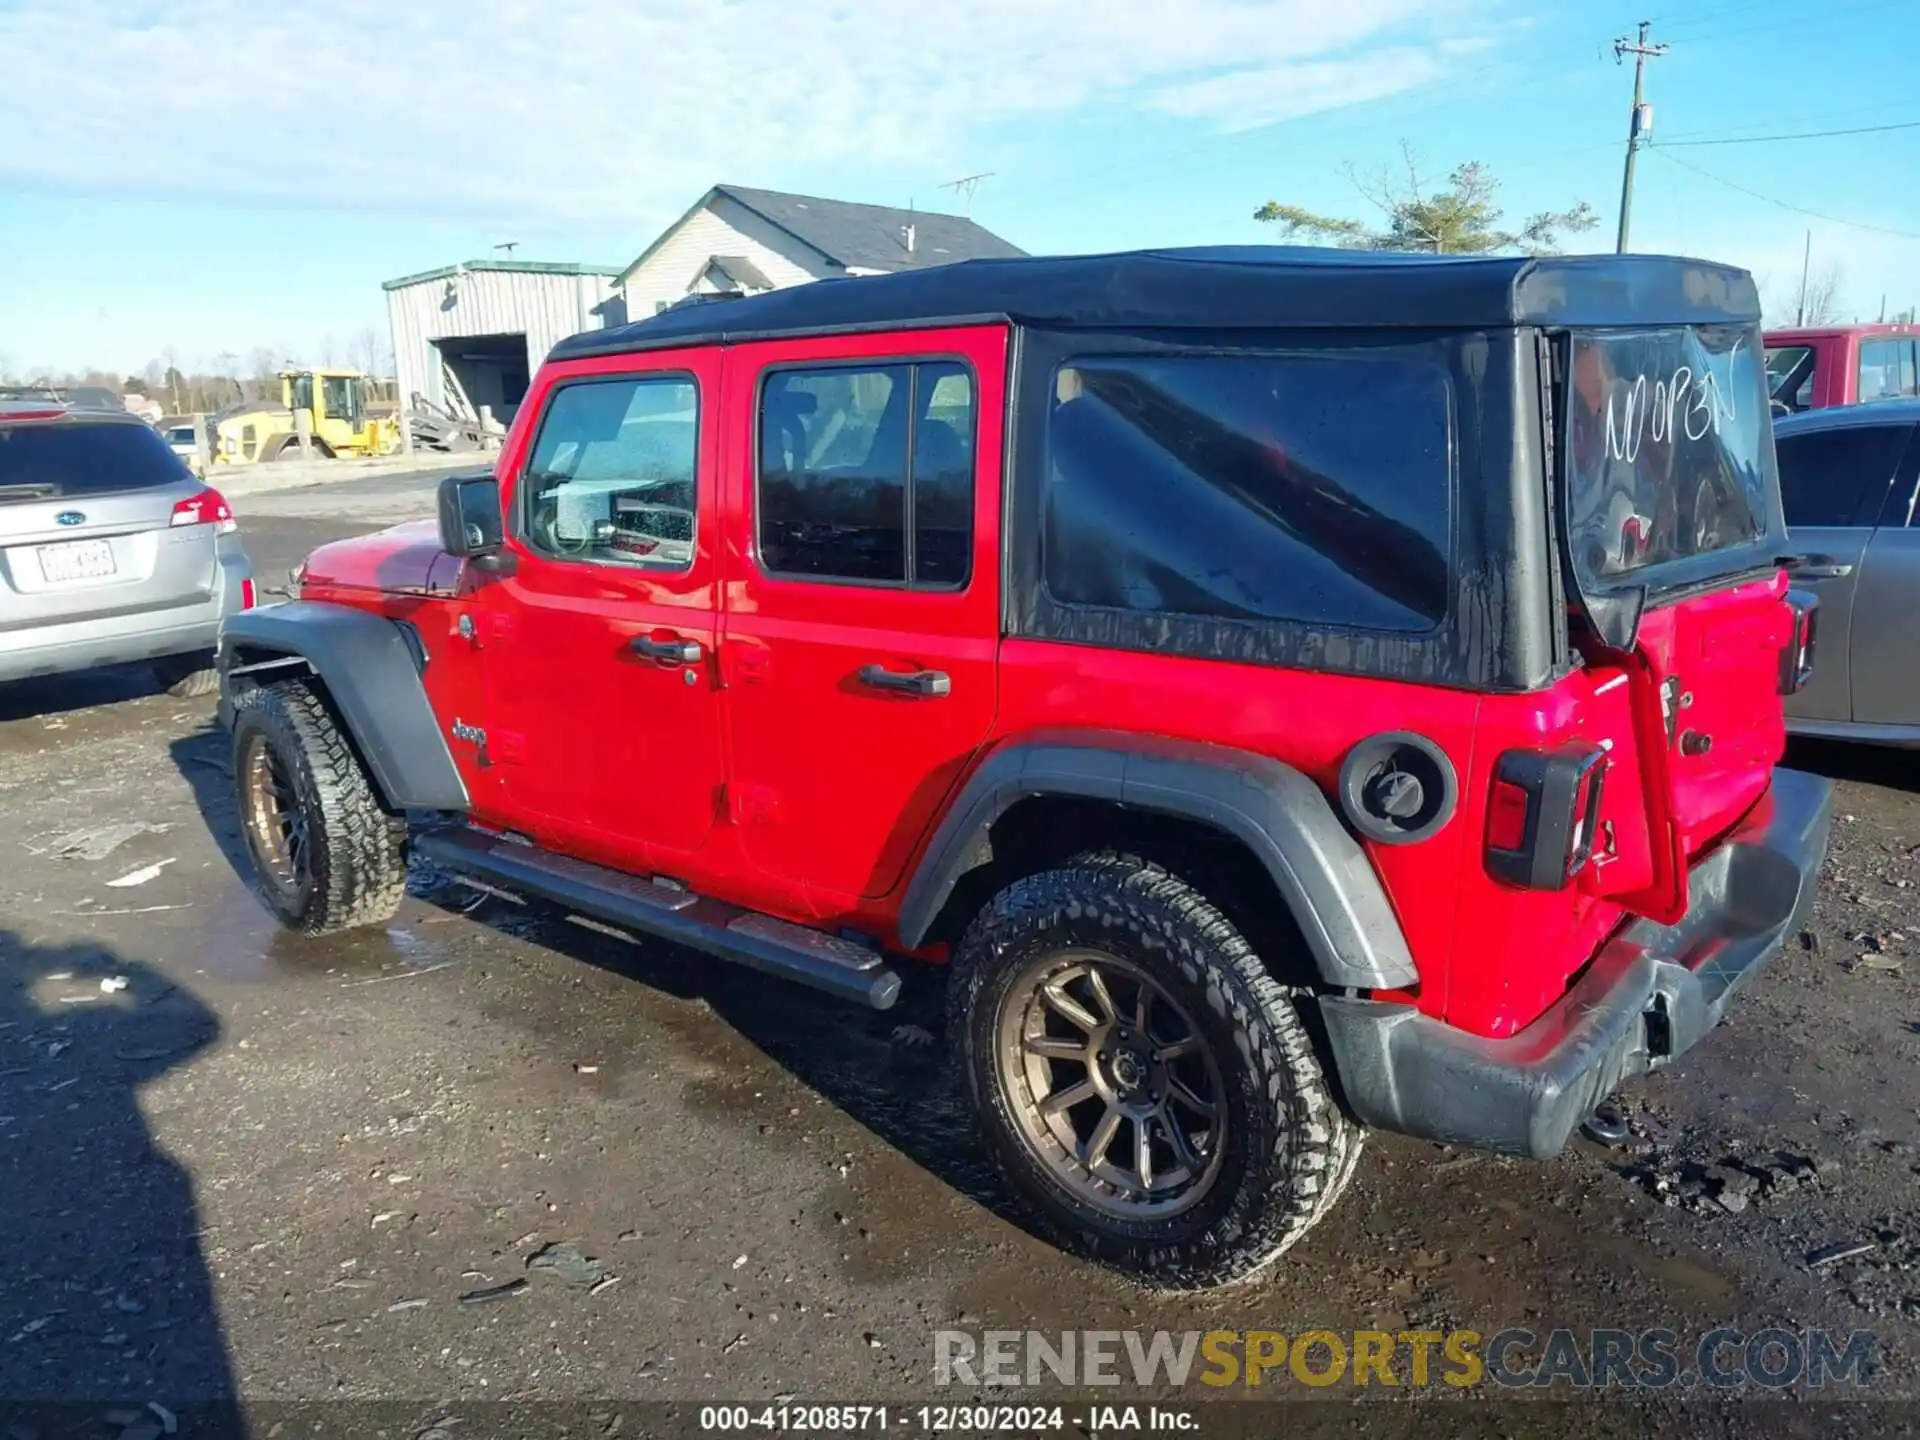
(275, 819)
(1113, 1086)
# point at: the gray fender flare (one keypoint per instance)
(372, 671)
(1278, 813)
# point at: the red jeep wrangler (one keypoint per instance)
(1296, 691)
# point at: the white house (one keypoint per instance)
(737, 241)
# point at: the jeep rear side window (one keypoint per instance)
(1667, 446)
(1306, 487)
(612, 478)
(866, 473)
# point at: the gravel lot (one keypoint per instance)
(271, 1169)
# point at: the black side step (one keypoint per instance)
(792, 952)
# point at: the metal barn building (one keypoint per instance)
(468, 338)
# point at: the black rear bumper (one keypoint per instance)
(1648, 996)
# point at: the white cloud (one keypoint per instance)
(602, 111)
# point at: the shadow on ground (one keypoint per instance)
(1867, 764)
(887, 1070)
(50, 695)
(107, 1296)
(204, 760)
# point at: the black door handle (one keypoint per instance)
(1813, 567)
(675, 651)
(931, 684)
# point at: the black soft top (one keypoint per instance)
(1257, 287)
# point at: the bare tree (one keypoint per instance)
(1820, 300)
(365, 349)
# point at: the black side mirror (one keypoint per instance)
(471, 524)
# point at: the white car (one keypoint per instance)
(181, 441)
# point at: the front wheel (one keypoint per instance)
(1144, 1081)
(328, 856)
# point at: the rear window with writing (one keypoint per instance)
(1668, 449)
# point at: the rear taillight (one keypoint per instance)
(1507, 818)
(1796, 660)
(246, 594)
(1543, 815)
(209, 507)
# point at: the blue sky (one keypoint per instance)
(175, 179)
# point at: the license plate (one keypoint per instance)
(76, 560)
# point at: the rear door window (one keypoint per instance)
(1667, 454)
(866, 474)
(1311, 487)
(63, 459)
(1839, 477)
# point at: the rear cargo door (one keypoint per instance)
(1673, 528)
(87, 524)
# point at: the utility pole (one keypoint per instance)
(1806, 267)
(1636, 126)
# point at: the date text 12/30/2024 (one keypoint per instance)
(943, 1419)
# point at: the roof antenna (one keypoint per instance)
(964, 188)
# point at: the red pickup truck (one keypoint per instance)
(1812, 369)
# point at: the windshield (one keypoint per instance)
(1669, 454)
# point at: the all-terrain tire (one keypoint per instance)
(1289, 1151)
(188, 676)
(355, 866)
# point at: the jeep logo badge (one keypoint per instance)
(472, 733)
(69, 517)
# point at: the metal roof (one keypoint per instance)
(531, 267)
(852, 235)
(1224, 288)
(873, 237)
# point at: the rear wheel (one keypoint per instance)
(1143, 1079)
(328, 857)
(188, 676)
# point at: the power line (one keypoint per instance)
(1805, 116)
(1797, 135)
(1825, 19)
(1674, 22)
(1783, 204)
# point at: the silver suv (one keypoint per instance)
(110, 550)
